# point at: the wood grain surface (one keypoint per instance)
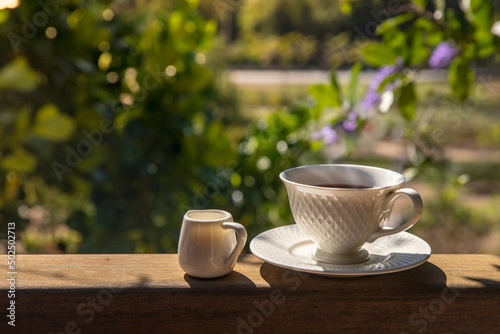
(150, 294)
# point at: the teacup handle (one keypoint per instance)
(418, 208)
(241, 239)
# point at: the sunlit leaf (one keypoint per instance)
(19, 160)
(393, 22)
(387, 80)
(397, 41)
(104, 61)
(377, 54)
(325, 96)
(354, 84)
(53, 125)
(482, 11)
(337, 93)
(17, 75)
(4, 16)
(485, 42)
(193, 3)
(346, 7)
(420, 3)
(434, 37)
(316, 145)
(210, 28)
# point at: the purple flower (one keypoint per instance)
(372, 96)
(442, 55)
(327, 134)
(383, 73)
(351, 123)
(370, 101)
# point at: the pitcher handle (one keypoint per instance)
(241, 234)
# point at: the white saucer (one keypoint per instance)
(289, 248)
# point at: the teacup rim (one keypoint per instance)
(285, 180)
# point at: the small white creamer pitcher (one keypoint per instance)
(208, 244)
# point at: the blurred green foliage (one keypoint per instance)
(273, 144)
(113, 125)
(306, 33)
(423, 34)
(325, 33)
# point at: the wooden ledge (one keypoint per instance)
(150, 294)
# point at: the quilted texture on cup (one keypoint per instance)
(338, 221)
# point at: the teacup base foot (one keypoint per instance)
(341, 258)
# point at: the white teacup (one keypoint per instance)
(340, 207)
(208, 246)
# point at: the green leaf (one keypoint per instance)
(485, 42)
(19, 160)
(434, 37)
(407, 101)
(387, 80)
(419, 56)
(4, 16)
(393, 23)
(419, 52)
(424, 24)
(378, 54)
(17, 75)
(354, 84)
(397, 41)
(346, 8)
(461, 78)
(482, 11)
(337, 93)
(316, 145)
(420, 3)
(325, 96)
(53, 125)
(469, 51)
(485, 51)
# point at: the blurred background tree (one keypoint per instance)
(111, 121)
(280, 33)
